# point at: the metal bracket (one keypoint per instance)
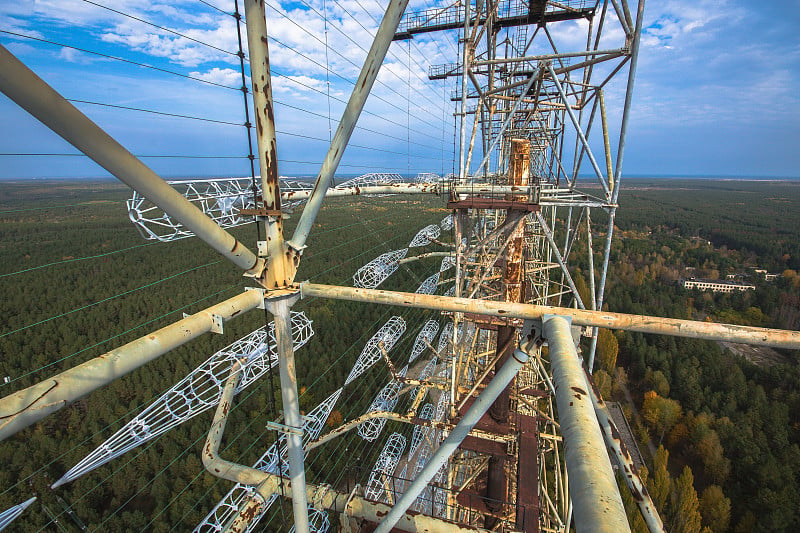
(531, 333)
(216, 324)
(263, 294)
(283, 428)
(262, 248)
(295, 248)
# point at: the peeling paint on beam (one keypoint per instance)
(643, 324)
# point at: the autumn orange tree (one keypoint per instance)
(660, 413)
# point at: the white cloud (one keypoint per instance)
(223, 76)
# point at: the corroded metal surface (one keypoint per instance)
(604, 319)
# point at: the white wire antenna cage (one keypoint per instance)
(378, 485)
(379, 269)
(425, 337)
(197, 392)
(426, 413)
(385, 400)
(221, 199)
(318, 521)
(272, 460)
(11, 514)
(427, 177)
(425, 236)
(448, 262)
(373, 178)
(429, 285)
(384, 339)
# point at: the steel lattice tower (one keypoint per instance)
(507, 435)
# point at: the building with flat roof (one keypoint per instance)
(715, 285)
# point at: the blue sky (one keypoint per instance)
(716, 92)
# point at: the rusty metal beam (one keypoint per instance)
(34, 95)
(25, 407)
(451, 443)
(367, 77)
(321, 496)
(580, 317)
(280, 270)
(596, 503)
(619, 451)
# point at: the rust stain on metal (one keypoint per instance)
(250, 513)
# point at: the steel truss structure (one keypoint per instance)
(504, 436)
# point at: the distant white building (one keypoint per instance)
(767, 275)
(715, 285)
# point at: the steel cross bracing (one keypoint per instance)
(485, 406)
(518, 248)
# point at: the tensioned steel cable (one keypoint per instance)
(147, 447)
(215, 84)
(349, 38)
(212, 6)
(227, 123)
(247, 124)
(100, 343)
(163, 28)
(75, 259)
(309, 388)
(140, 156)
(390, 52)
(351, 82)
(162, 280)
(154, 112)
(117, 58)
(343, 78)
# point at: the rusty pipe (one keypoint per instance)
(212, 462)
(596, 502)
(620, 453)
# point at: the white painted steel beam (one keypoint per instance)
(23, 408)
